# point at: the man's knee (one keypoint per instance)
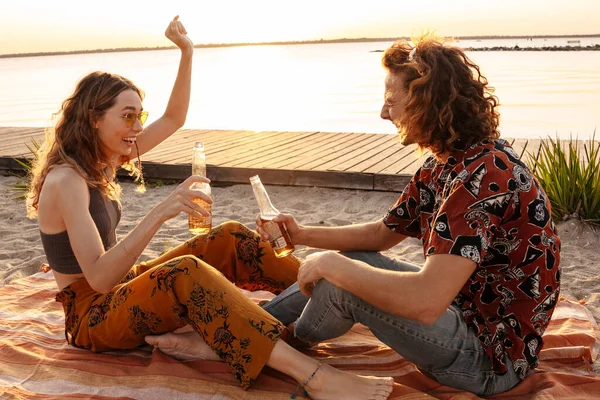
(358, 255)
(327, 290)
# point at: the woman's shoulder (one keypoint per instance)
(63, 190)
(64, 177)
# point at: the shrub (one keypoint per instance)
(21, 187)
(570, 175)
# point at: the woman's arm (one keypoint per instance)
(177, 107)
(104, 269)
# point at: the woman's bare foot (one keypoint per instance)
(332, 384)
(186, 346)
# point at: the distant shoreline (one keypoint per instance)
(357, 40)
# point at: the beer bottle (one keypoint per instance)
(279, 238)
(199, 223)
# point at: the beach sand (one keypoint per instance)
(21, 251)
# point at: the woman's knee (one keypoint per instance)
(184, 267)
(233, 226)
(183, 264)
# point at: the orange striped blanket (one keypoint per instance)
(36, 362)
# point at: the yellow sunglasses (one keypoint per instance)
(131, 117)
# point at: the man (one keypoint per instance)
(473, 316)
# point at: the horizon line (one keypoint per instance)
(291, 42)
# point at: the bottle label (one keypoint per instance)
(279, 243)
(277, 239)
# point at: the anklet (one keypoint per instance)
(293, 396)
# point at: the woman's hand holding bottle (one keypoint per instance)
(182, 200)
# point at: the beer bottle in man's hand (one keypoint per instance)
(279, 237)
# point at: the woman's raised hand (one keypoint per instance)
(177, 34)
(182, 199)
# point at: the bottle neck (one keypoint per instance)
(199, 163)
(267, 209)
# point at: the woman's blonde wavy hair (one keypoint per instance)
(449, 100)
(74, 141)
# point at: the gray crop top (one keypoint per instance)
(106, 215)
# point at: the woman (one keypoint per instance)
(109, 302)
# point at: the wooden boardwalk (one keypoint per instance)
(337, 160)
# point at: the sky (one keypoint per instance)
(65, 25)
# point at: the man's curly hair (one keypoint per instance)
(449, 101)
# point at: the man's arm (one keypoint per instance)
(371, 236)
(420, 296)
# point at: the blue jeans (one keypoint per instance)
(447, 350)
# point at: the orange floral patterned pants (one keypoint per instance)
(194, 283)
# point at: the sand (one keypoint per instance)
(21, 251)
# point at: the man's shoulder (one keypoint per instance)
(496, 156)
(490, 148)
(425, 169)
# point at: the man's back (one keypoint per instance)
(484, 204)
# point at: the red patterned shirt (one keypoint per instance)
(484, 204)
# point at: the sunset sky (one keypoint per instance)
(64, 25)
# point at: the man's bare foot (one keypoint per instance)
(332, 384)
(186, 346)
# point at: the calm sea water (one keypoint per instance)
(321, 87)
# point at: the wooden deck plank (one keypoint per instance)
(392, 147)
(322, 150)
(14, 134)
(401, 160)
(230, 142)
(337, 151)
(254, 150)
(21, 136)
(183, 141)
(300, 151)
(232, 175)
(347, 163)
(211, 141)
(261, 149)
(412, 168)
(351, 157)
(390, 183)
(288, 144)
(17, 137)
(332, 179)
(383, 165)
(16, 149)
(212, 138)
